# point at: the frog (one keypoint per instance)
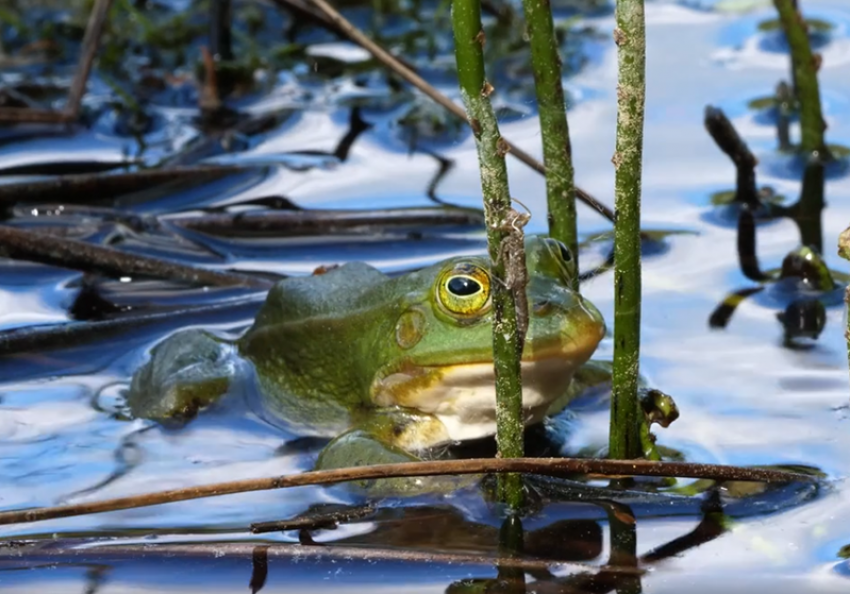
(389, 368)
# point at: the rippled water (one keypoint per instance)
(744, 398)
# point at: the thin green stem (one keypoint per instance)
(557, 154)
(475, 90)
(630, 36)
(805, 66)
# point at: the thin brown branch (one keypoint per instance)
(315, 521)
(18, 115)
(78, 255)
(324, 222)
(542, 466)
(40, 338)
(286, 550)
(89, 187)
(88, 51)
(395, 65)
(91, 41)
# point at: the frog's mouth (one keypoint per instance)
(463, 396)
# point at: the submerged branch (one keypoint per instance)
(91, 41)
(41, 338)
(730, 142)
(323, 222)
(88, 51)
(78, 255)
(88, 187)
(299, 551)
(542, 466)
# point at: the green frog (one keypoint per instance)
(391, 368)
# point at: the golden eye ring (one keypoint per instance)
(464, 290)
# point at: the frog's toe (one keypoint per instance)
(187, 371)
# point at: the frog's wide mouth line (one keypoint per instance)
(546, 369)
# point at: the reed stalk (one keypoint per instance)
(555, 131)
(475, 90)
(805, 66)
(630, 37)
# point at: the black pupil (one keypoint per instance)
(565, 253)
(463, 286)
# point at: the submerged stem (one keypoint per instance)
(630, 36)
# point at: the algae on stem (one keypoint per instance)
(630, 36)
(476, 91)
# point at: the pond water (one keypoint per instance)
(745, 397)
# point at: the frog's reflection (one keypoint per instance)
(524, 557)
(804, 286)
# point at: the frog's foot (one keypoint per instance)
(379, 441)
(187, 371)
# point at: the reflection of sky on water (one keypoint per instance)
(744, 399)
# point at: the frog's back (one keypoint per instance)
(337, 291)
(302, 348)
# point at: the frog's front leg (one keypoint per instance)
(390, 436)
(186, 372)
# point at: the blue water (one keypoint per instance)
(743, 397)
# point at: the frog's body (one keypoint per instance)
(404, 361)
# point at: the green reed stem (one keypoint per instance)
(630, 36)
(475, 90)
(805, 65)
(555, 131)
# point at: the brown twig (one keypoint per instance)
(91, 41)
(17, 115)
(314, 521)
(78, 255)
(543, 466)
(92, 187)
(322, 222)
(285, 550)
(394, 64)
(40, 338)
(88, 51)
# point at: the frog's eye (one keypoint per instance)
(566, 257)
(464, 290)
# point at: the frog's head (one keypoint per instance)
(809, 267)
(442, 360)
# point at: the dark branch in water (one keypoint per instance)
(300, 551)
(315, 521)
(16, 115)
(396, 66)
(747, 257)
(88, 51)
(41, 338)
(542, 466)
(325, 222)
(731, 143)
(87, 187)
(91, 41)
(78, 255)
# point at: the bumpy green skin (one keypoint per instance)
(323, 347)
